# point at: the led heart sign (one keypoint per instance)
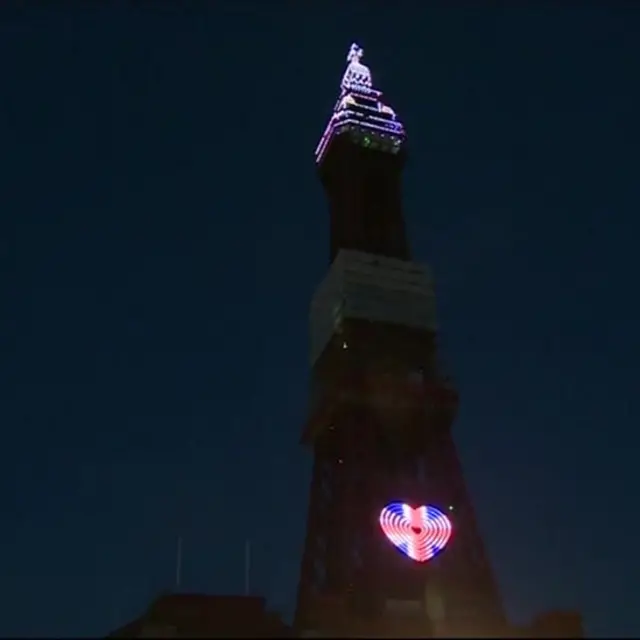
(420, 533)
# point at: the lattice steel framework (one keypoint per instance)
(381, 408)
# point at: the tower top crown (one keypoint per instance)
(357, 75)
(360, 112)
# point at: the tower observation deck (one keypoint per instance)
(392, 546)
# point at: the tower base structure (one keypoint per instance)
(379, 422)
(402, 620)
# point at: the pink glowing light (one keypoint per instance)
(360, 112)
(420, 533)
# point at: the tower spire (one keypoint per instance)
(357, 76)
(361, 112)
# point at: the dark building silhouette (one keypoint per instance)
(556, 624)
(392, 546)
(184, 615)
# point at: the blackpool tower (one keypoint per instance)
(392, 547)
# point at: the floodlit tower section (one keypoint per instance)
(392, 547)
(364, 189)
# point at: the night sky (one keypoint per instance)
(162, 230)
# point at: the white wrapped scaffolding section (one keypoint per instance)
(370, 287)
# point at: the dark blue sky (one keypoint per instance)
(162, 231)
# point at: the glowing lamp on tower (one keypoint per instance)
(420, 533)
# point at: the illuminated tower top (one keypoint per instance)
(360, 159)
(360, 112)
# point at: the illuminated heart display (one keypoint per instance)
(420, 533)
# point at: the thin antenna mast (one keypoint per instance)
(179, 563)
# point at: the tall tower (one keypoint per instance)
(392, 546)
